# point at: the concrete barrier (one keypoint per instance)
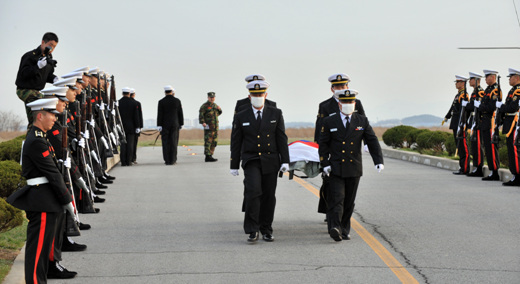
(438, 162)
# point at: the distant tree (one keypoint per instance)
(9, 121)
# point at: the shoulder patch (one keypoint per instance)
(46, 153)
(55, 132)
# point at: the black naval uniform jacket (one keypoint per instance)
(128, 109)
(341, 148)
(456, 108)
(30, 76)
(330, 107)
(470, 107)
(267, 142)
(509, 109)
(169, 113)
(488, 106)
(246, 103)
(38, 161)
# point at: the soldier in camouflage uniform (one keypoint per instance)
(208, 117)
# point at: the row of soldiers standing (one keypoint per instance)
(483, 113)
(73, 128)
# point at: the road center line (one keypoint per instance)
(376, 246)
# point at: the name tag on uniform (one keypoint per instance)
(273, 121)
(333, 129)
(245, 124)
(332, 114)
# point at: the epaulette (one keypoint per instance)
(39, 133)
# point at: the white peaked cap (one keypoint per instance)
(513, 72)
(475, 75)
(48, 104)
(255, 77)
(460, 78)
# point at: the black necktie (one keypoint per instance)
(347, 124)
(258, 118)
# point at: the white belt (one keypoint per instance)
(37, 181)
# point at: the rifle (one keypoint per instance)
(476, 115)
(115, 107)
(495, 138)
(71, 226)
(102, 115)
(461, 129)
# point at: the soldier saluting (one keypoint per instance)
(208, 117)
(45, 194)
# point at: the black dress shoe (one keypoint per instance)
(345, 236)
(104, 180)
(68, 246)
(100, 185)
(97, 210)
(476, 173)
(99, 192)
(107, 176)
(459, 172)
(268, 237)
(513, 182)
(57, 271)
(492, 177)
(83, 227)
(334, 233)
(98, 199)
(253, 237)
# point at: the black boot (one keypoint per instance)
(209, 158)
(57, 271)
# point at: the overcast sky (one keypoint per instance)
(401, 55)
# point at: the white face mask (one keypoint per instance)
(347, 108)
(257, 102)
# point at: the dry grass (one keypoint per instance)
(8, 135)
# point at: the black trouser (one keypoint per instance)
(512, 153)
(260, 199)
(127, 149)
(324, 193)
(170, 139)
(491, 150)
(463, 151)
(59, 234)
(477, 149)
(342, 195)
(134, 157)
(40, 234)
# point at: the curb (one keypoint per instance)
(16, 275)
(442, 163)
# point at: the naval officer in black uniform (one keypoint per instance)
(129, 111)
(340, 156)
(170, 120)
(259, 140)
(45, 195)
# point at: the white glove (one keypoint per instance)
(81, 142)
(42, 62)
(476, 104)
(137, 130)
(464, 103)
(113, 137)
(327, 170)
(70, 208)
(86, 135)
(114, 112)
(160, 127)
(90, 172)
(284, 168)
(102, 107)
(66, 163)
(83, 184)
(104, 142)
(233, 172)
(92, 123)
(365, 148)
(56, 79)
(380, 167)
(117, 103)
(499, 104)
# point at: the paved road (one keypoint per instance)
(183, 224)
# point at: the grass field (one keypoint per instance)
(10, 244)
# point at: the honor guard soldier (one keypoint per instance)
(458, 123)
(259, 140)
(36, 69)
(340, 156)
(477, 148)
(510, 109)
(338, 81)
(129, 111)
(45, 195)
(141, 124)
(487, 107)
(246, 102)
(170, 120)
(208, 117)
